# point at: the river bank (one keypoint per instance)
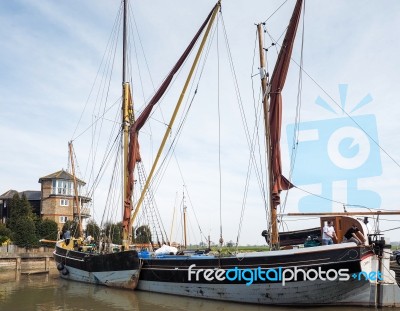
(27, 262)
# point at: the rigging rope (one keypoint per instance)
(257, 113)
(112, 35)
(242, 110)
(275, 11)
(298, 112)
(343, 111)
(221, 240)
(166, 160)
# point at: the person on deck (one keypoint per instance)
(328, 233)
(67, 236)
(354, 235)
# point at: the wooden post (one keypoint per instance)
(47, 264)
(18, 263)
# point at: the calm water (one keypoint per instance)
(49, 292)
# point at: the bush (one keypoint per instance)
(5, 233)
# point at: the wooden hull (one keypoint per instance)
(119, 270)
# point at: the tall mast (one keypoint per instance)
(273, 117)
(264, 85)
(76, 194)
(126, 119)
(184, 220)
(124, 43)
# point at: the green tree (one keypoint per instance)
(24, 233)
(19, 207)
(143, 234)
(93, 229)
(72, 226)
(46, 229)
(22, 222)
(114, 231)
(5, 233)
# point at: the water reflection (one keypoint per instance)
(49, 292)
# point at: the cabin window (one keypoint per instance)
(64, 202)
(63, 219)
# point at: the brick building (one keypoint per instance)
(58, 198)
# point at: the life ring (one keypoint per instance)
(60, 266)
(65, 271)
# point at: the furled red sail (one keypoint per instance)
(275, 111)
(134, 155)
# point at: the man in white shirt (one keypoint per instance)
(328, 233)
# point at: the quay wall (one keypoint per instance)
(13, 258)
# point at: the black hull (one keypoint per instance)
(176, 269)
(170, 275)
(115, 269)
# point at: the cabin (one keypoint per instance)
(344, 223)
(313, 236)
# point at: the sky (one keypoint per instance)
(50, 57)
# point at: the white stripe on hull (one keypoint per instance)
(121, 279)
(319, 292)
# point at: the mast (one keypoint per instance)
(273, 225)
(76, 194)
(173, 219)
(127, 115)
(273, 117)
(184, 220)
(124, 43)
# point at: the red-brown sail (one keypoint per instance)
(134, 155)
(275, 113)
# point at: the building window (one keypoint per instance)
(64, 202)
(64, 187)
(63, 219)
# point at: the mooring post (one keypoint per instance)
(18, 263)
(47, 263)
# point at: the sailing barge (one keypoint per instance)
(340, 274)
(243, 277)
(78, 261)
